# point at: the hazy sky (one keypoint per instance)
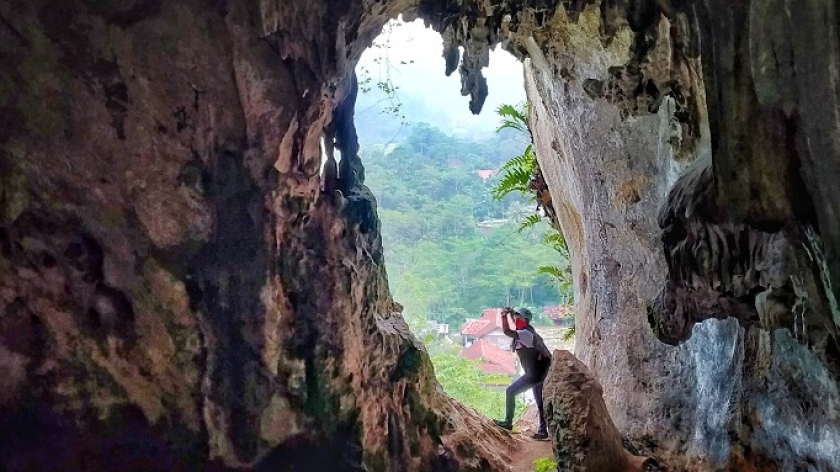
(427, 91)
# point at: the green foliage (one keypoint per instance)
(513, 118)
(463, 381)
(518, 172)
(570, 334)
(561, 275)
(545, 464)
(529, 222)
(451, 250)
(553, 271)
(384, 81)
(557, 241)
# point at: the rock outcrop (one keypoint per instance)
(583, 434)
(756, 391)
(178, 293)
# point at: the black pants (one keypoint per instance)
(520, 385)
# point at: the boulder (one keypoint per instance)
(584, 436)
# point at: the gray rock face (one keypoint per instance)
(607, 176)
(705, 403)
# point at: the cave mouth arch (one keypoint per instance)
(432, 165)
(630, 87)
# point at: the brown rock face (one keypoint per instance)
(175, 293)
(583, 434)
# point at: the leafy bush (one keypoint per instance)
(545, 464)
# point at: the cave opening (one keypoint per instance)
(462, 232)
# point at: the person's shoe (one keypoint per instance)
(504, 424)
(540, 436)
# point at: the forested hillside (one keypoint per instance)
(451, 250)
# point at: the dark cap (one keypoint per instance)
(523, 312)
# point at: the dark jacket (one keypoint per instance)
(535, 360)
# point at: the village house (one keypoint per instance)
(484, 341)
(491, 359)
(486, 173)
(488, 327)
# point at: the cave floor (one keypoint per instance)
(527, 451)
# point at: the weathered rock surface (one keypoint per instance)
(743, 239)
(584, 437)
(177, 294)
(724, 399)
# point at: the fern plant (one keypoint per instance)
(514, 118)
(529, 222)
(518, 172)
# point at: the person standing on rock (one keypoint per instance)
(535, 359)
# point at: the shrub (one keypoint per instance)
(545, 464)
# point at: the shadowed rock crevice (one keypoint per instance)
(224, 283)
(717, 268)
(739, 241)
(56, 251)
(341, 453)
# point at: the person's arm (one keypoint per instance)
(505, 325)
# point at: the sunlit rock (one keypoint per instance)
(584, 436)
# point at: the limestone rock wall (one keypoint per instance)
(733, 394)
(584, 436)
(607, 176)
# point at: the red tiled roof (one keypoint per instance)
(491, 318)
(473, 327)
(496, 361)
